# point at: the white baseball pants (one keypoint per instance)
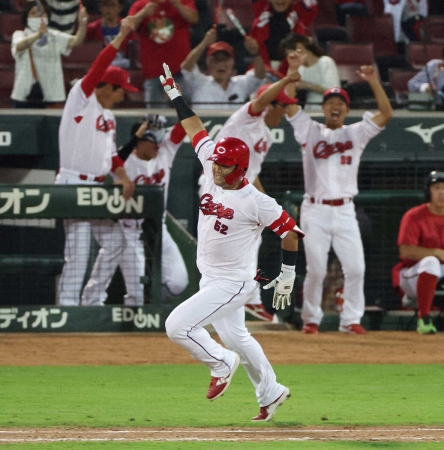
(332, 226)
(408, 279)
(77, 247)
(77, 250)
(132, 264)
(221, 303)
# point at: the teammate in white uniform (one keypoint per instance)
(232, 215)
(251, 123)
(88, 153)
(331, 155)
(148, 157)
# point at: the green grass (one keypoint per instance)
(174, 396)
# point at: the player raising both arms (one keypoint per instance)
(331, 155)
(233, 214)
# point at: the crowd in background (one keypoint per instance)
(217, 63)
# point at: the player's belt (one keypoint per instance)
(98, 179)
(333, 202)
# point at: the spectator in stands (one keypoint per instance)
(63, 14)
(107, 28)
(408, 16)
(279, 18)
(307, 9)
(318, 72)
(163, 27)
(421, 251)
(220, 89)
(350, 7)
(430, 79)
(37, 51)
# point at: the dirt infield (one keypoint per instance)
(368, 434)
(379, 347)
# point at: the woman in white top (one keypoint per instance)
(44, 47)
(319, 72)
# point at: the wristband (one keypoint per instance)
(289, 258)
(182, 108)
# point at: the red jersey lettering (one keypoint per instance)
(323, 150)
(209, 208)
(104, 125)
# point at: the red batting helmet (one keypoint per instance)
(231, 151)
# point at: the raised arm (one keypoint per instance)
(188, 118)
(385, 113)
(148, 10)
(260, 103)
(191, 59)
(258, 63)
(79, 37)
(189, 14)
(106, 57)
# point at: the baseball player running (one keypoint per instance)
(88, 152)
(331, 155)
(148, 157)
(251, 123)
(233, 213)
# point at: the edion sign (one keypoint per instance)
(5, 138)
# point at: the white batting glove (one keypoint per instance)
(169, 86)
(283, 287)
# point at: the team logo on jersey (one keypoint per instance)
(209, 208)
(323, 150)
(155, 178)
(105, 125)
(260, 146)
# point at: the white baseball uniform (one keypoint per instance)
(230, 223)
(132, 260)
(331, 162)
(87, 136)
(251, 128)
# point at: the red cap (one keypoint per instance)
(119, 77)
(282, 97)
(220, 46)
(337, 91)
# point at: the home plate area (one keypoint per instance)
(368, 434)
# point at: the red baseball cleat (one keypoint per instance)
(259, 312)
(310, 328)
(219, 385)
(355, 328)
(266, 413)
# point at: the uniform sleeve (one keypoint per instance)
(365, 130)
(204, 146)
(409, 230)
(277, 219)
(302, 126)
(171, 143)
